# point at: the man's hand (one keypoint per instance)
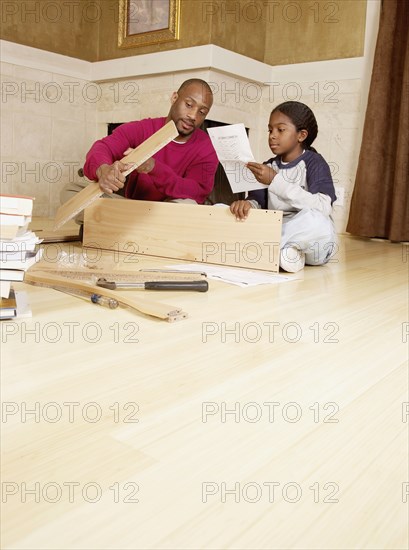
(147, 166)
(240, 209)
(110, 176)
(263, 173)
(144, 168)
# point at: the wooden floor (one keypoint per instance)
(274, 417)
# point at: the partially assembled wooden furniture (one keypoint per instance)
(197, 233)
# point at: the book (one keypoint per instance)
(15, 306)
(5, 287)
(13, 255)
(16, 204)
(14, 219)
(8, 306)
(23, 262)
(10, 232)
(11, 274)
(23, 307)
(24, 243)
(17, 247)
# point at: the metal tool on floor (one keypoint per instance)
(111, 303)
(198, 286)
(155, 309)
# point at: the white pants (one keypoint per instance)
(312, 233)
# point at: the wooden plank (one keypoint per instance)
(152, 145)
(185, 232)
(138, 156)
(155, 309)
(76, 204)
(142, 276)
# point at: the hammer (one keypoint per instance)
(199, 286)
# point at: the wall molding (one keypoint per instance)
(207, 57)
(42, 60)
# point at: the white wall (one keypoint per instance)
(54, 107)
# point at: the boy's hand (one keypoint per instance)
(110, 177)
(263, 173)
(240, 209)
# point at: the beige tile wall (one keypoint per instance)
(47, 124)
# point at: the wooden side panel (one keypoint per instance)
(185, 232)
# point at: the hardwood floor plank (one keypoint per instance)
(303, 384)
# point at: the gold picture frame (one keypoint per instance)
(144, 22)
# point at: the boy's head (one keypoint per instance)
(303, 119)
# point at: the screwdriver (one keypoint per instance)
(199, 286)
(104, 301)
(111, 303)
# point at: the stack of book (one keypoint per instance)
(17, 252)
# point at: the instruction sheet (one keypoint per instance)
(241, 277)
(233, 150)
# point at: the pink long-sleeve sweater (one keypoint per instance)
(182, 170)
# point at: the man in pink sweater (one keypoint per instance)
(183, 170)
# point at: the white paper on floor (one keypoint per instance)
(240, 277)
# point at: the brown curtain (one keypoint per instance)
(380, 203)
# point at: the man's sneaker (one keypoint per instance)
(292, 259)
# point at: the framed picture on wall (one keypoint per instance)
(144, 22)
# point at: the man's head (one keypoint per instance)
(190, 106)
